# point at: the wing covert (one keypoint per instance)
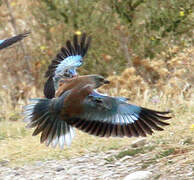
(109, 116)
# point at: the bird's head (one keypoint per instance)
(98, 81)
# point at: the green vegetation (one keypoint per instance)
(130, 152)
(121, 30)
(133, 152)
(166, 153)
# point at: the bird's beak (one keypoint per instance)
(106, 81)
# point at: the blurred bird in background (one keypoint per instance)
(74, 102)
(66, 63)
(8, 42)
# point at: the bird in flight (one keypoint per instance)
(66, 63)
(8, 42)
(75, 103)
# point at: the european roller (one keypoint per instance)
(77, 105)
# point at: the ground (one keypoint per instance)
(102, 165)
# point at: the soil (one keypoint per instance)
(97, 166)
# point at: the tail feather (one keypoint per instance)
(34, 123)
(48, 123)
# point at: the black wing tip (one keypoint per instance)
(25, 34)
(12, 40)
(49, 90)
(151, 119)
(146, 123)
(158, 112)
(86, 45)
(22, 35)
(72, 46)
(164, 112)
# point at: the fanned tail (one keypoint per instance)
(43, 115)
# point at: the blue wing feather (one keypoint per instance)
(1, 41)
(66, 63)
(100, 104)
(69, 64)
(113, 116)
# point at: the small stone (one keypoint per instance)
(125, 158)
(17, 174)
(4, 162)
(190, 174)
(60, 169)
(138, 143)
(139, 175)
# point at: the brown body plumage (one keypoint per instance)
(79, 82)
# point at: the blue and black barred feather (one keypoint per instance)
(65, 63)
(111, 116)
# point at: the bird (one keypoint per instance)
(8, 42)
(65, 63)
(78, 105)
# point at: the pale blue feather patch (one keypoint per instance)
(1, 41)
(68, 63)
(72, 71)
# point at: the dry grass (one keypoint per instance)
(173, 78)
(19, 147)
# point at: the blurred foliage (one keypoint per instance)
(136, 41)
(121, 29)
(62, 18)
(154, 25)
(173, 79)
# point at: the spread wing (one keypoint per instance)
(111, 116)
(8, 42)
(66, 63)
